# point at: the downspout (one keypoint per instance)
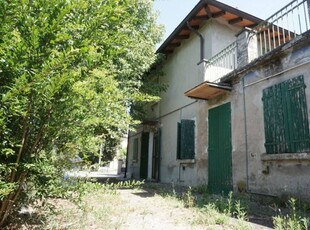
(202, 41)
(245, 138)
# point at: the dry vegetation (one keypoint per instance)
(151, 206)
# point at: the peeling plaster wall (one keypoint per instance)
(283, 175)
(181, 74)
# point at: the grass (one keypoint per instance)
(209, 210)
(101, 207)
(217, 209)
(96, 209)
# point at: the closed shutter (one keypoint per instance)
(144, 155)
(274, 119)
(179, 141)
(286, 117)
(298, 115)
(186, 139)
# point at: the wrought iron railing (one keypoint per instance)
(222, 63)
(283, 26)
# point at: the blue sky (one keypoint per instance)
(172, 12)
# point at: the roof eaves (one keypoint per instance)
(180, 26)
(195, 10)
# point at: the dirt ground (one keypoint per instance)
(134, 209)
(150, 211)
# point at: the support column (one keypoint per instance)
(150, 156)
(308, 6)
(247, 47)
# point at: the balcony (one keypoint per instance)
(285, 25)
(221, 64)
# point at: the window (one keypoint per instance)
(135, 149)
(286, 117)
(186, 140)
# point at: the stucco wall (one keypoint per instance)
(133, 166)
(222, 35)
(181, 74)
(270, 176)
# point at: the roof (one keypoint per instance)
(204, 10)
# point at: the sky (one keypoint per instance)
(172, 12)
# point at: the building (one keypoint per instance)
(235, 114)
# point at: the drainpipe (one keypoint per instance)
(245, 139)
(247, 148)
(202, 41)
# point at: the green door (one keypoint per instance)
(220, 162)
(144, 155)
(156, 155)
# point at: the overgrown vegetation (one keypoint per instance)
(93, 205)
(69, 72)
(83, 203)
(295, 220)
(217, 209)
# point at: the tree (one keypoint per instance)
(69, 71)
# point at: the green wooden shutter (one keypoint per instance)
(274, 119)
(286, 117)
(144, 155)
(186, 139)
(297, 115)
(179, 141)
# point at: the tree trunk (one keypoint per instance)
(7, 203)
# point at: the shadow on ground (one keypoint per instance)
(258, 213)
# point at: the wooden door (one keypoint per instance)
(220, 159)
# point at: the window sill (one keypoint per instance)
(286, 157)
(186, 161)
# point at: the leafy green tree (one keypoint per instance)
(69, 71)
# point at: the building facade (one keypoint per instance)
(235, 114)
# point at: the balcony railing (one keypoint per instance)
(283, 26)
(222, 63)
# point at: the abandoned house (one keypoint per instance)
(235, 115)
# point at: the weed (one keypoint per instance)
(294, 221)
(188, 199)
(239, 211)
(207, 215)
(173, 190)
(230, 204)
